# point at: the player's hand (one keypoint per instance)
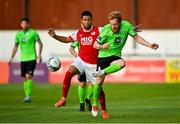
(105, 46)
(10, 62)
(75, 56)
(138, 28)
(51, 32)
(154, 46)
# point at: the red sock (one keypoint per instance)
(102, 100)
(66, 83)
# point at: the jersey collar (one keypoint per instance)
(87, 30)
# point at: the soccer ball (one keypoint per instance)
(53, 64)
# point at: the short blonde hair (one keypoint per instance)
(115, 15)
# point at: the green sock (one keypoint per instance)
(96, 92)
(25, 88)
(89, 92)
(112, 68)
(81, 92)
(29, 87)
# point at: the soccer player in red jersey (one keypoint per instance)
(86, 60)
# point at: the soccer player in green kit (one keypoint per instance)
(82, 79)
(26, 39)
(110, 44)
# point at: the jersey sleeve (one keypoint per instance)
(103, 35)
(75, 44)
(132, 32)
(17, 38)
(100, 29)
(73, 36)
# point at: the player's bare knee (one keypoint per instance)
(82, 84)
(91, 84)
(123, 65)
(120, 62)
(28, 77)
(73, 70)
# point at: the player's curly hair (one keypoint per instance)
(115, 15)
(86, 13)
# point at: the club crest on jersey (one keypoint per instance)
(86, 40)
(117, 40)
(93, 33)
(23, 39)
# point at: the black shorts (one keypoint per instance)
(105, 62)
(28, 67)
(82, 77)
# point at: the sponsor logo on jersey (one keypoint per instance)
(86, 40)
(122, 31)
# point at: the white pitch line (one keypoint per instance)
(73, 107)
(47, 107)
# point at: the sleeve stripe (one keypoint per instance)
(97, 39)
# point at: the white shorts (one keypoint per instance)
(85, 67)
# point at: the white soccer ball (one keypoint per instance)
(53, 64)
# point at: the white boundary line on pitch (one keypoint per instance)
(73, 107)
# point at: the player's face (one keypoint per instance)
(86, 22)
(115, 25)
(25, 25)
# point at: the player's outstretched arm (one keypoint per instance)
(40, 50)
(138, 28)
(99, 46)
(63, 39)
(14, 51)
(142, 41)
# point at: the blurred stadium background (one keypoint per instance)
(161, 24)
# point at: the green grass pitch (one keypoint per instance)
(138, 103)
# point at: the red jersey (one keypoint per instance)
(86, 39)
